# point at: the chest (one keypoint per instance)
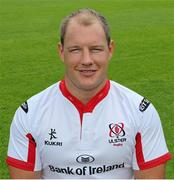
(101, 137)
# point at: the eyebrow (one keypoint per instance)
(93, 46)
(97, 46)
(71, 47)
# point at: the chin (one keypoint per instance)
(89, 86)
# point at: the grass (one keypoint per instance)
(143, 60)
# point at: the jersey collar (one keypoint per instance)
(91, 104)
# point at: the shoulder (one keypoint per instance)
(29, 115)
(126, 94)
(141, 111)
(40, 99)
(131, 99)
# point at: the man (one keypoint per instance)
(86, 126)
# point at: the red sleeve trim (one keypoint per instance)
(31, 149)
(155, 162)
(19, 164)
(30, 164)
(139, 150)
(140, 157)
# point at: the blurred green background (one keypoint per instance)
(143, 61)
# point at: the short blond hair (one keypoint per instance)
(86, 17)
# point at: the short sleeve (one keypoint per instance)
(22, 148)
(150, 148)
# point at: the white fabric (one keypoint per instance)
(92, 150)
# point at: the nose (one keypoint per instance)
(86, 57)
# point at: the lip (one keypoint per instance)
(87, 72)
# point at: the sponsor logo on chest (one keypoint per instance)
(85, 170)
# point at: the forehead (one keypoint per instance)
(86, 31)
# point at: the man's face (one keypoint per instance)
(86, 55)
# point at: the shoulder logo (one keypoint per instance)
(24, 106)
(144, 105)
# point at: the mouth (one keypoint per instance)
(87, 72)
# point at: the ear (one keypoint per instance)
(60, 51)
(111, 48)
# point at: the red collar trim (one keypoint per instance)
(91, 104)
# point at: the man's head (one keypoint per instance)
(85, 17)
(85, 50)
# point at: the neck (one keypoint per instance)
(84, 95)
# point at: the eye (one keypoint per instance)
(96, 50)
(74, 50)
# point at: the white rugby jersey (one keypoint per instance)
(117, 132)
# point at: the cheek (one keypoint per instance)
(72, 59)
(102, 62)
(102, 57)
(70, 65)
